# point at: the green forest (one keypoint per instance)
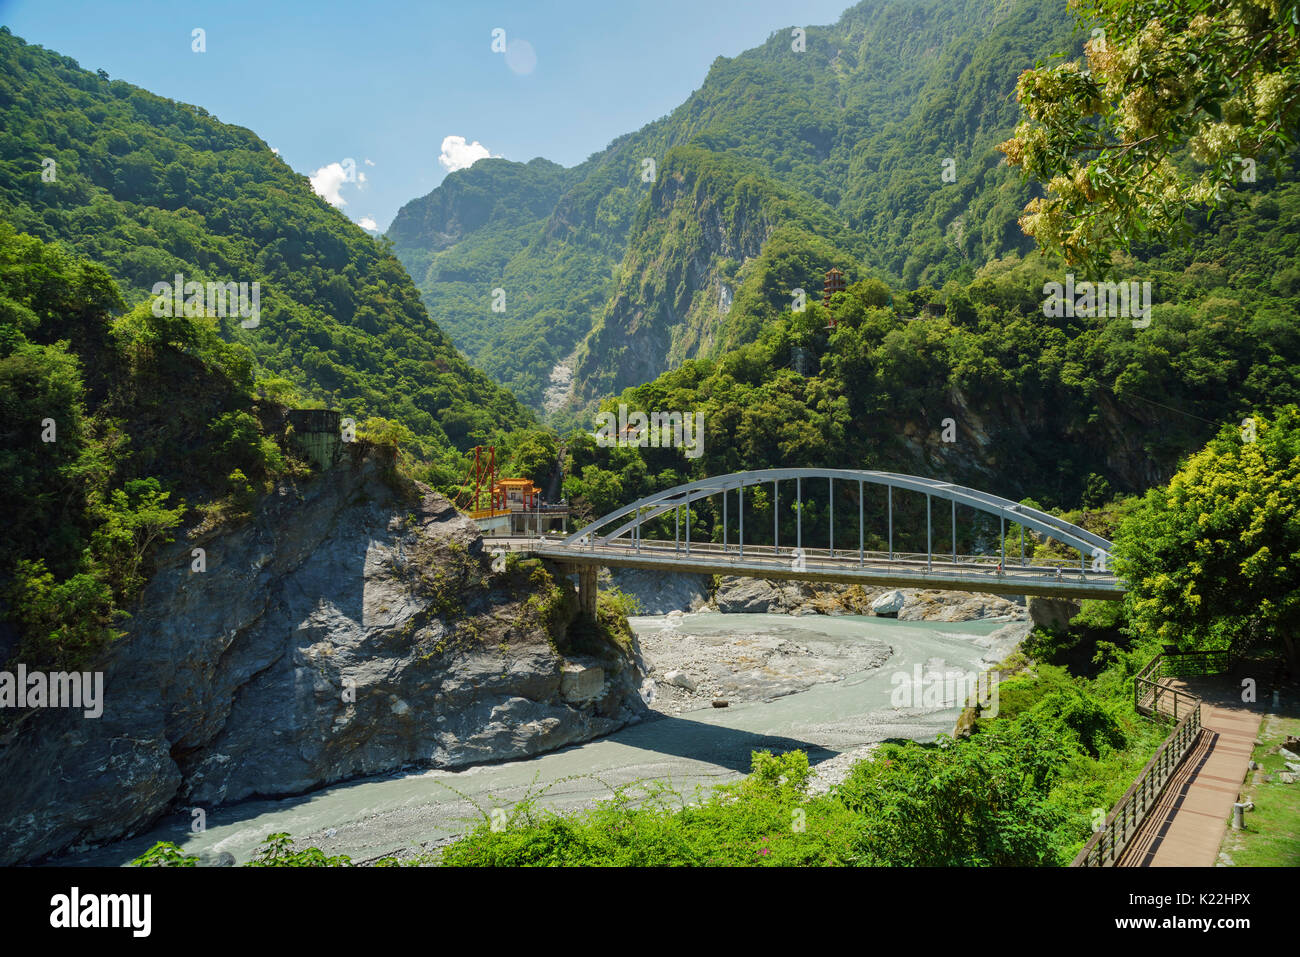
(839, 149)
(676, 286)
(1032, 398)
(148, 188)
(118, 423)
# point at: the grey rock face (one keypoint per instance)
(760, 596)
(661, 592)
(933, 605)
(1053, 613)
(763, 596)
(337, 633)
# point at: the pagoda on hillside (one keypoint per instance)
(833, 283)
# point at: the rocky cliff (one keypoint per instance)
(661, 593)
(341, 630)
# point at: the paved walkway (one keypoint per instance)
(1186, 825)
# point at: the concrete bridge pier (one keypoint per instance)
(586, 584)
(587, 590)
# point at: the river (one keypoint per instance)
(840, 709)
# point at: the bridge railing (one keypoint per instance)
(942, 568)
(785, 554)
(1152, 697)
(1107, 846)
(759, 550)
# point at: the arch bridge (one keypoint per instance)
(616, 540)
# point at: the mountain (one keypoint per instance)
(783, 163)
(982, 384)
(150, 188)
(489, 227)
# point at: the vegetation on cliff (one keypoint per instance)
(1031, 398)
(872, 145)
(115, 425)
(150, 188)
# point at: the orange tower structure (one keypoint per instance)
(833, 283)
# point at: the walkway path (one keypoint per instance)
(1186, 825)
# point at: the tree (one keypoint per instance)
(1213, 559)
(598, 492)
(534, 456)
(1219, 77)
(132, 520)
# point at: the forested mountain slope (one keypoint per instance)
(783, 163)
(150, 188)
(975, 384)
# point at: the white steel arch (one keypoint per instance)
(600, 532)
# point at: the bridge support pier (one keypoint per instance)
(587, 590)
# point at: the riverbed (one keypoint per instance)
(826, 685)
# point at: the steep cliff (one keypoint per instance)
(343, 630)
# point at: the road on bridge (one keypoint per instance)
(971, 573)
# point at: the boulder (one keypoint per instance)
(934, 605)
(680, 679)
(579, 682)
(748, 596)
(965, 723)
(889, 604)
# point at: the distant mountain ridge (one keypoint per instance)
(837, 152)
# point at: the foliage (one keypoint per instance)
(63, 623)
(980, 802)
(278, 851)
(1213, 559)
(1046, 392)
(111, 434)
(623, 603)
(130, 523)
(1217, 78)
(165, 854)
(149, 188)
(747, 823)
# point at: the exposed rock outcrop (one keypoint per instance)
(659, 592)
(1052, 613)
(339, 632)
(756, 596)
(759, 596)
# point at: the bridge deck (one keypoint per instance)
(972, 574)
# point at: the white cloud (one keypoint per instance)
(370, 162)
(361, 177)
(458, 154)
(275, 150)
(327, 181)
(365, 222)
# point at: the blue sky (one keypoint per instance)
(387, 83)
